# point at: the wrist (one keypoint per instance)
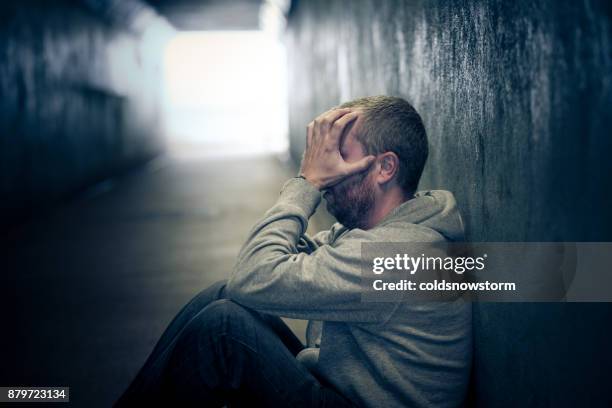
(310, 180)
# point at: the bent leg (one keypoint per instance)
(212, 293)
(229, 355)
(164, 346)
(209, 295)
(147, 373)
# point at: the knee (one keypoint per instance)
(224, 316)
(214, 292)
(223, 307)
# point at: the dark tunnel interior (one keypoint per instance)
(110, 219)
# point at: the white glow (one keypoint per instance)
(225, 93)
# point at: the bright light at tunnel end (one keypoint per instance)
(225, 93)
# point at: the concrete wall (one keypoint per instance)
(79, 101)
(516, 99)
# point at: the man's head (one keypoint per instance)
(392, 130)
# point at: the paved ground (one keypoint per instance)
(87, 290)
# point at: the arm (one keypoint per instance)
(273, 277)
(310, 244)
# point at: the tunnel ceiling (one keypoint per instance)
(210, 14)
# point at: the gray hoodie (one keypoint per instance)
(376, 354)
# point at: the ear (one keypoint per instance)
(388, 166)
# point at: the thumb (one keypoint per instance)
(360, 165)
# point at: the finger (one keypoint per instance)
(333, 114)
(327, 119)
(333, 110)
(309, 130)
(359, 166)
(341, 124)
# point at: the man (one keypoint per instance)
(229, 347)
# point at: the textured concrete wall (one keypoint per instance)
(516, 99)
(79, 101)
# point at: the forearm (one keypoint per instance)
(274, 239)
(272, 276)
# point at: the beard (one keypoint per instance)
(351, 200)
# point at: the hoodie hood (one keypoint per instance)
(435, 209)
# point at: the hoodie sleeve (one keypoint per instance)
(310, 244)
(272, 276)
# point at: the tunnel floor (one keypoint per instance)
(88, 289)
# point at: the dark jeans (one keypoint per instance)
(217, 352)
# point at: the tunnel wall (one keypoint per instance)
(79, 102)
(516, 97)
